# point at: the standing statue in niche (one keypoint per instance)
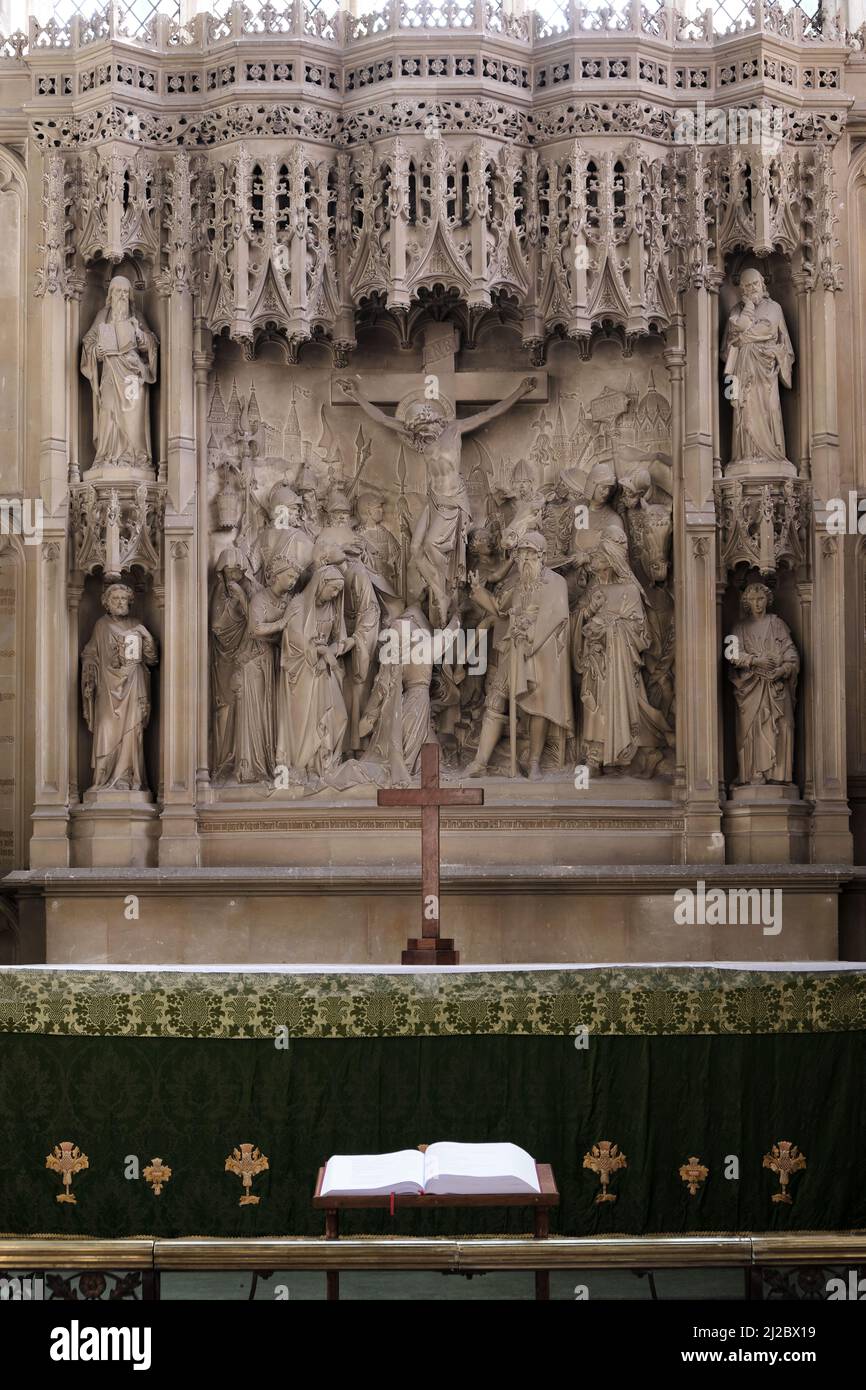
(118, 358)
(438, 547)
(115, 690)
(758, 355)
(763, 671)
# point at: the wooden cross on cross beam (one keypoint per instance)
(430, 948)
(440, 344)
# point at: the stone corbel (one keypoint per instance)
(763, 524)
(115, 528)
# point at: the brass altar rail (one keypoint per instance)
(45, 1252)
(416, 1253)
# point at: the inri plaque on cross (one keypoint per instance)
(430, 948)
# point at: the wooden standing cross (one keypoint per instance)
(430, 948)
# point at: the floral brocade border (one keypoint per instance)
(618, 1001)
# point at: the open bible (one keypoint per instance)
(445, 1168)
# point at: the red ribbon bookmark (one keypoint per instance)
(392, 1203)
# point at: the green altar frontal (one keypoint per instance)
(671, 1064)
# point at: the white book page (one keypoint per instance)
(370, 1175)
(468, 1168)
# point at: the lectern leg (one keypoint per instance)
(332, 1276)
(542, 1276)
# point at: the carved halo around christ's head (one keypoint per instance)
(417, 407)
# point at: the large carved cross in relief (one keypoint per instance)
(430, 948)
(440, 378)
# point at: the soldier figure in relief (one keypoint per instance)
(533, 665)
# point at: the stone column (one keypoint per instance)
(691, 361)
(49, 845)
(824, 657)
(202, 364)
(178, 843)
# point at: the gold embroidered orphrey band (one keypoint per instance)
(619, 1001)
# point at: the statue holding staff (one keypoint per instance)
(118, 358)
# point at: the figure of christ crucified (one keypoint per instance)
(438, 545)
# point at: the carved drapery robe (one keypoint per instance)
(610, 636)
(399, 707)
(758, 353)
(116, 693)
(765, 703)
(249, 738)
(439, 543)
(118, 358)
(228, 625)
(540, 666)
(362, 617)
(311, 711)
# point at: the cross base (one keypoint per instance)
(430, 950)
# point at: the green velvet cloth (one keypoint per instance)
(661, 1098)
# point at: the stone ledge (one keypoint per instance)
(521, 878)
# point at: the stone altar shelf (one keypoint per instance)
(498, 914)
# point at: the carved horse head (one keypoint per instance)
(650, 527)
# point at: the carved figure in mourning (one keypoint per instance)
(438, 546)
(758, 355)
(532, 670)
(311, 711)
(593, 513)
(763, 669)
(252, 681)
(229, 607)
(609, 636)
(118, 358)
(397, 717)
(115, 689)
